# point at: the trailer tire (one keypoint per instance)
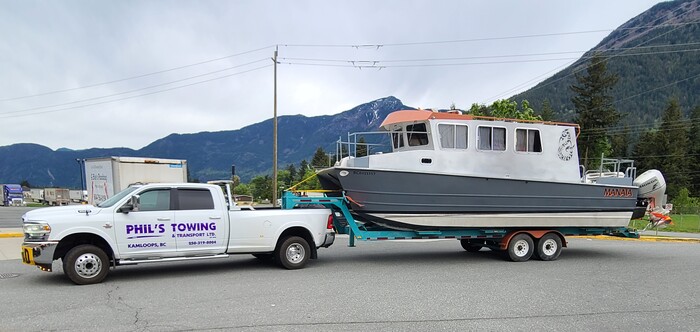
(86, 264)
(469, 246)
(293, 252)
(549, 247)
(520, 248)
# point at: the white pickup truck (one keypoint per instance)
(169, 222)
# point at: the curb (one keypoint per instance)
(641, 238)
(8, 235)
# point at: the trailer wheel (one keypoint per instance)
(86, 264)
(549, 247)
(469, 246)
(520, 248)
(293, 253)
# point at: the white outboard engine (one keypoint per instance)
(652, 192)
(652, 186)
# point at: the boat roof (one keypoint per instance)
(404, 116)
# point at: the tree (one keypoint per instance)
(672, 142)
(25, 183)
(261, 187)
(507, 109)
(547, 113)
(320, 158)
(620, 143)
(694, 149)
(595, 112)
(303, 166)
(293, 173)
(242, 189)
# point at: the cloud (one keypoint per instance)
(60, 45)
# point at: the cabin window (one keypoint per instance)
(417, 134)
(154, 200)
(194, 199)
(397, 138)
(528, 140)
(453, 136)
(492, 138)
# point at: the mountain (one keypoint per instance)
(656, 57)
(209, 154)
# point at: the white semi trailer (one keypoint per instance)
(107, 176)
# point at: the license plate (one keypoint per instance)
(28, 255)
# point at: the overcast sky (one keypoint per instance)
(172, 66)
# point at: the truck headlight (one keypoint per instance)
(37, 231)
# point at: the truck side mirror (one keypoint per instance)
(131, 205)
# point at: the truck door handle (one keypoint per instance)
(215, 217)
(163, 219)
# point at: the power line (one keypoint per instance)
(135, 77)
(379, 63)
(135, 96)
(132, 91)
(377, 46)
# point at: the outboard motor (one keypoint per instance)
(652, 187)
(652, 198)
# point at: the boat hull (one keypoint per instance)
(425, 200)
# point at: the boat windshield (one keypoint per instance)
(116, 198)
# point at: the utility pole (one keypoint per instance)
(274, 136)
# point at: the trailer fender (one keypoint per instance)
(535, 234)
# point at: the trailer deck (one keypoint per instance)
(472, 239)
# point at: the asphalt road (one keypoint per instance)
(412, 286)
(11, 216)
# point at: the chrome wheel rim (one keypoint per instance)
(549, 247)
(521, 248)
(88, 265)
(295, 253)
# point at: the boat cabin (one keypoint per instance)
(450, 143)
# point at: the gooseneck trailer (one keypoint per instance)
(518, 244)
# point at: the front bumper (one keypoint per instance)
(39, 254)
(330, 238)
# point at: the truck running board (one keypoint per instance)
(169, 259)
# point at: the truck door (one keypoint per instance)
(147, 230)
(201, 223)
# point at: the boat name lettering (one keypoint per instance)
(363, 173)
(617, 192)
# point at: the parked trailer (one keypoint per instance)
(56, 196)
(36, 195)
(519, 244)
(11, 195)
(78, 196)
(107, 176)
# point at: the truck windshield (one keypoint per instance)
(116, 198)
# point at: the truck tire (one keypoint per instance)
(86, 264)
(520, 248)
(549, 247)
(469, 246)
(293, 253)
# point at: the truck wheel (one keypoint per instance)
(520, 248)
(468, 246)
(86, 264)
(549, 247)
(293, 253)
